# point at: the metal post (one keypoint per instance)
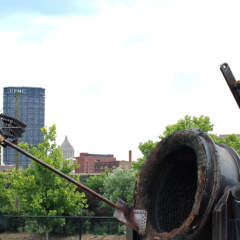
(80, 229)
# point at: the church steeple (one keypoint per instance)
(67, 149)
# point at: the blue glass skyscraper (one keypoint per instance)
(28, 105)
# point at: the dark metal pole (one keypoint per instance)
(80, 229)
(231, 81)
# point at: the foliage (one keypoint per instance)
(120, 184)
(96, 182)
(145, 148)
(187, 122)
(42, 192)
(7, 196)
(113, 185)
(95, 206)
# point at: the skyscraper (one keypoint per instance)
(28, 105)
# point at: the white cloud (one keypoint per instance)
(107, 95)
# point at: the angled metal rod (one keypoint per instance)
(14, 146)
(231, 81)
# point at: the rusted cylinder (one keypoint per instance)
(180, 183)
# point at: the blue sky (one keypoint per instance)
(22, 15)
(48, 8)
(122, 70)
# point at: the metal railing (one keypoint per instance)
(60, 227)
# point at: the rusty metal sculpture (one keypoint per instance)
(189, 185)
(187, 189)
(181, 181)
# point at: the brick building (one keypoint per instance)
(88, 162)
(98, 163)
(102, 166)
(6, 168)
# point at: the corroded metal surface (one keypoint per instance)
(231, 81)
(226, 214)
(134, 218)
(180, 182)
(11, 128)
(221, 214)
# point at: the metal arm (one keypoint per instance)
(231, 81)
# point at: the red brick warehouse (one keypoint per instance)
(88, 161)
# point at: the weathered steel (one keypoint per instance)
(11, 128)
(180, 182)
(226, 215)
(231, 81)
(134, 217)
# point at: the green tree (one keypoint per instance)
(96, 182)
(120, 184)
(188, 122)
(113, 185)
(145, 148)
(42, 192)
(7, 195)
(95, 206)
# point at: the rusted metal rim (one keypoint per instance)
(194, 153)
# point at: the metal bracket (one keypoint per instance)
(134, 218)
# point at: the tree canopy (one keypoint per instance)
(120, 184)
(113, 185)
(188, 122)
(41, 192)
(7, 195)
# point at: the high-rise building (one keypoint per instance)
(28, 105)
